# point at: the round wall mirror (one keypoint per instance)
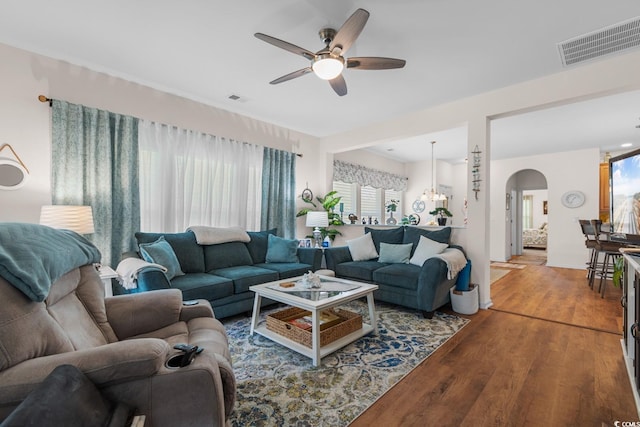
(12, 174)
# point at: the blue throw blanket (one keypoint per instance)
(34, 256)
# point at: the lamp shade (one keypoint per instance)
(317, 219)
(68, 217)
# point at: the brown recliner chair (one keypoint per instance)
(122, 344)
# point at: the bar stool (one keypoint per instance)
(611, 251)
(590, 242)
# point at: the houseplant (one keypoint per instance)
(618, 271)
(442, 214)
(328, 203)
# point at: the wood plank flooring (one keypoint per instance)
(547, 354)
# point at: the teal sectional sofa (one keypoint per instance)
(423, 287)
(222, 273)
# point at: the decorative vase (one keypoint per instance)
(442, 221)
(391, 220)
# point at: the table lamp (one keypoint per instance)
(68, 217)
(317, 219)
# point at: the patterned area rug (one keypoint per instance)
(279, 387)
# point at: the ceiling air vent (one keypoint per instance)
(612, 39)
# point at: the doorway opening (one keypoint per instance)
(527, 204)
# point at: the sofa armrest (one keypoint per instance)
(312, 256)
(148, 279)
(434, 284)
(336, 255)
(135, 314)
(459, 248)
(107, 364)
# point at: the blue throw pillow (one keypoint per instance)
(281, 250)
(396, 254)
(258, 244)
(392, 236)
(161, 252)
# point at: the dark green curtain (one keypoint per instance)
(278, 192)
(95, 162)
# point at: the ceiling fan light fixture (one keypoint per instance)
(327, 66)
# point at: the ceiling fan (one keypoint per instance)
(329, 62)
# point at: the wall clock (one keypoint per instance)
(418, 206)
(573, 199)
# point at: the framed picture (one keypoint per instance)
(304, 243)
(545, 209)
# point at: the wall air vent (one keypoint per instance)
(608, 40)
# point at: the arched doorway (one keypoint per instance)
(526, 202)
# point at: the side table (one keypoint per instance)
(106, 274)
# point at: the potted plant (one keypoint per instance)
(410, 219)
(391, 208)
(442, 214)
(328, 203)
(618, 272)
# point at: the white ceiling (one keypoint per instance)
(206, 51)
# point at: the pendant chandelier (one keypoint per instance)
(432, 195)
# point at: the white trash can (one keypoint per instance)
(465, 302)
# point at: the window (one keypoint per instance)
(348, 200)
(393, 195)
(366, 201)
(370, 203)
(527, 211)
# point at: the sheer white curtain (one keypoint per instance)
(190, 178)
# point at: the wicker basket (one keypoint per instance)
(279, 322)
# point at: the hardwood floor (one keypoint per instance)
(547, 354)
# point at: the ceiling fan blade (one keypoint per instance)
(339, 85)
(349, 31)
(374, 63)
(291, 76)
(286, 46)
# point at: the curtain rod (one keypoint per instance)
(43, 98)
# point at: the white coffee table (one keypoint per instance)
(334, 292)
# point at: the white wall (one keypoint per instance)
(592, 80)
(565, 245)
(25, 122)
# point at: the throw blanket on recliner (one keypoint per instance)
(455, 260)
(34, 256)
(129, 268)
(214, 235)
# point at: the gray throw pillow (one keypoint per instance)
(281, 250)
(161, 252)
(395, 254)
